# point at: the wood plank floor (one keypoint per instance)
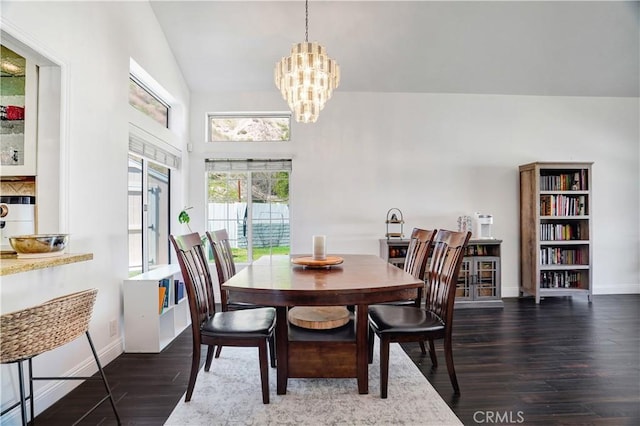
(563, 362)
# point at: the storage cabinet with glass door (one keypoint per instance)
(479, 279)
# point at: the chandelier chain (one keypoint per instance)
(306, 21)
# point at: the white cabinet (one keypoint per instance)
(146, 329)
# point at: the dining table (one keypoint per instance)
(358, 281)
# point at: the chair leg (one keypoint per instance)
(272, 350)
(32, 404)
(432, 353)
(422, 348)
(370, 342)
(448, 352)
(264, 370)
(23, 400)
(195, 366)
(104, 378)
(209, 359)
(218, 350)
(384, 366)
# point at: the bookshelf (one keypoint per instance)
(149, 328)
(479, 279)
(555, 229)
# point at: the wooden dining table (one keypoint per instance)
(341, 352)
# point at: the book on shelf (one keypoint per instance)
(573, 181)
(562, 205)
(165, 283)
(179, 290)
(161, 293)
(561, 279)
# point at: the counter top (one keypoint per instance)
(16, 266)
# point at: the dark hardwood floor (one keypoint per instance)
(563, 362)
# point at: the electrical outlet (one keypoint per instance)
(113, 328)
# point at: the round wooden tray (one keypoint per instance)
(319, 317)
(310, 262)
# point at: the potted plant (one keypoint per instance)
(183, 217)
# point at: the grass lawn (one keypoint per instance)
(240, 255)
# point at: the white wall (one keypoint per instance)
(93, 42)
(439, 156)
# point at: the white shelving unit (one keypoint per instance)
(145, 329)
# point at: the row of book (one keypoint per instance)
(563, 256)
(574, 181)
(164, 293)
(477, 250)
(560, 232)
(562, 205)
(560, 279)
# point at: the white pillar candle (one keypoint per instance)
(319, 247)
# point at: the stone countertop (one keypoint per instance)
(15, 265)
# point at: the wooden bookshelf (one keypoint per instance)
(555, 229)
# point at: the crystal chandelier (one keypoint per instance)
(307, 77)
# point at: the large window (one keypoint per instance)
(148, 215)
(250, 199)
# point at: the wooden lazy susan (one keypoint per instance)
(319, 317)
(310, 262)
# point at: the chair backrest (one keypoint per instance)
(418, 252)
(197, 278)
(32, 331)
(223, 258)
(442, 273)
(222, 254)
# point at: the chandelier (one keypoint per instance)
(307, 77)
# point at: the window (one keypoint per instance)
(249, 127)
(147, 102)
(148, 211)
(250, 199)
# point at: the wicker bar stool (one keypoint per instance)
(38, 329)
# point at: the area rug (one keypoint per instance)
(229, 394)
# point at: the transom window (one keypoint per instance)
(144, 100)
(249, 127)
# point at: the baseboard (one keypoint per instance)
(617, 289)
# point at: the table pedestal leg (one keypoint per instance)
(282, 349)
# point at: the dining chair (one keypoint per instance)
(395, 324)
(226, 268)
(415, 262)
(247, 327)
(32, 331)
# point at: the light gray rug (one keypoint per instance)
(230, 394)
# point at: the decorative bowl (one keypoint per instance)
(39, 244)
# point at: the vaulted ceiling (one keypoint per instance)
(551, 48)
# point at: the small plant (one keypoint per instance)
(183, 217)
